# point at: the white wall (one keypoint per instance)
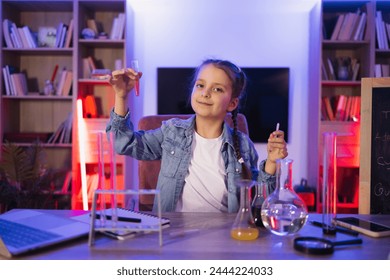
(251, 33)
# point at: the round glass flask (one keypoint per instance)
(283, 211)
(244, 227)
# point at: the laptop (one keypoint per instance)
(26, 230)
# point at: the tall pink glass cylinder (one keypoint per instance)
(329, 185)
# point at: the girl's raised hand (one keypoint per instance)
(123, 81)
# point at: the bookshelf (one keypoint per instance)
(382, 55)
(30, 116)
(35, 115)
(103, 51)
(345, 60)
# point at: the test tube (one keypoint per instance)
(329, 189)
(135, 66)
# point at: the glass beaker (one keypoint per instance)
(283, 211)
(244, 227)
(257, 202)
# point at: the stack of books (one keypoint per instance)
(15, 82)
(23, 38)
(63, 134)
(18, 37)
(382, 29)
(118, 27)
(341, 108)
(65, 83)
(350, 27)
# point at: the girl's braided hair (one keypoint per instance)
(238, 80)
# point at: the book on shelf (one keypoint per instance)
(59, 31)
(380, 31)
(381, 70)
(32, 42)
(22, 35)
(118, 26)
(9, 87)
(100, 74)
(347, 27)
(63, 134)
(336, 29)
(15, 82)
(19, 82)
(88, 66)
(361, 27)
(6, 82)
(378, 71)
(61, 81)
(69, 34)
(66, 90)
(330, 69)
(91, 63)
(15, 36)
(130, 223)
(355, 70)
(328, 109)
(7, 33)
(121, 27)
(64, 87)
(340, 108)
(63, 36)
(385, 70)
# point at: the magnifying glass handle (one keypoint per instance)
(348, 242)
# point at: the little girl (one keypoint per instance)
(201, 157)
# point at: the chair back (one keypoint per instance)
(148, 170)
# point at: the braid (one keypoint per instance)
(236, 141)
(246, 172)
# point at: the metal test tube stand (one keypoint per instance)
(112, 224)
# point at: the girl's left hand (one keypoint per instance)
(276, 147)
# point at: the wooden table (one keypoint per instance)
(206, 236)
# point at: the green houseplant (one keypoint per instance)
(25, 182)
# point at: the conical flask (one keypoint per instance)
(283, 211)
(244, 227)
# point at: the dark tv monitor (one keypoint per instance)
(266, 102)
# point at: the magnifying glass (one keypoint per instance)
(320, 246)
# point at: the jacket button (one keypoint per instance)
(237, 170)
(172, 152)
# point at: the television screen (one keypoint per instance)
(265, 104)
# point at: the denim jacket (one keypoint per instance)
(172, 144)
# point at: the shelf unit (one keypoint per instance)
(31, 117)
(382, 56)
(104, 52)
(25, 118)
(366, 52)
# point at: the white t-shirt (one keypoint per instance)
(205, 185)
